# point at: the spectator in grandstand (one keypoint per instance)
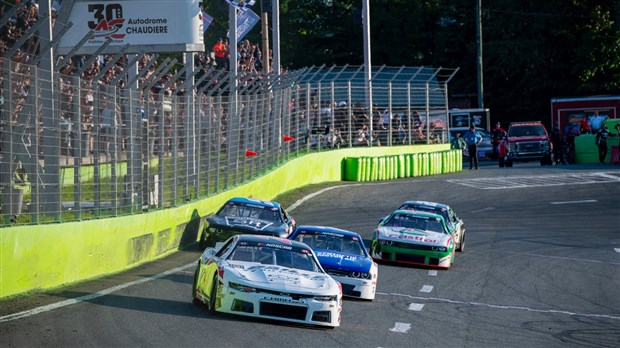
(418, 135)
(220, 51)
(87, 108)
(361, 138)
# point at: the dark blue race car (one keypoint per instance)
(246, 216)
(343, 256)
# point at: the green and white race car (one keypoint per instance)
(414, 237)
(455, 224)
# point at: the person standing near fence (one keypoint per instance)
(473, 139)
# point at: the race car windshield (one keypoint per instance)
(256, 212)
(296, 258)
(415, 222)
(433, 210)
(329, 242)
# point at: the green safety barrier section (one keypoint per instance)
(43, 257)
(408, 165)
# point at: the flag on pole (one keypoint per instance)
(206, 21)
(246, 20)
(241, 4)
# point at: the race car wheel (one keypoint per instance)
(461, 244)
(213, 295)
(195, 300)
(206, 240)
(202, 244)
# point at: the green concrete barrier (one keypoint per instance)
(402, 165)
(43, 257)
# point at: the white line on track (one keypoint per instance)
(426, 288)
(107, 291)
(401, 327)
(314, 194)
(489, 305)
(416, 306)
(576, 202)
(432, 272)
(617, 250)
(554, 257)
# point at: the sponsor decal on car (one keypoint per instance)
(336, 255)
(279, 299)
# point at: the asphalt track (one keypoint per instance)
(541, 268)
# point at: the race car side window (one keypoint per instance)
(224, 248)
(284, 214)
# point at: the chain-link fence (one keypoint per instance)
(79, 144)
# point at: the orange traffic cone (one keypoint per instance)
(288, 138)
(250, 153)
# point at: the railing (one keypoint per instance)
(77, 145)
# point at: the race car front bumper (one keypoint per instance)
(297, 308)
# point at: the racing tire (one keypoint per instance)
(213, 295)
(195, 300)
(206, 240)
(461, 245)
(373, 251)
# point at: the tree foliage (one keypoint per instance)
(532, 50)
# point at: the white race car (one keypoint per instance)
(267, 277)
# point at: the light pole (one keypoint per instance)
(479, 56)
(367, 60)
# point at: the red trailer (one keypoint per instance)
(584, 112)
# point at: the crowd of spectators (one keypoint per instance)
(98, 112)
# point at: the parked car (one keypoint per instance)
(343, 256)
(267, 277)
(526, 141)
(413, 237)
(485, 149)
(246, 216)
(455, 223)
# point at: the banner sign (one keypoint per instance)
(147, 26)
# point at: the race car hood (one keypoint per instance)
(243, 223)
(410, 235)
(279, 278)
(343, 261)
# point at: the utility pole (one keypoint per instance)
(265, 34)
(479, 57)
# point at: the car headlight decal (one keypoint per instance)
(326, 298)
(242, 288)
